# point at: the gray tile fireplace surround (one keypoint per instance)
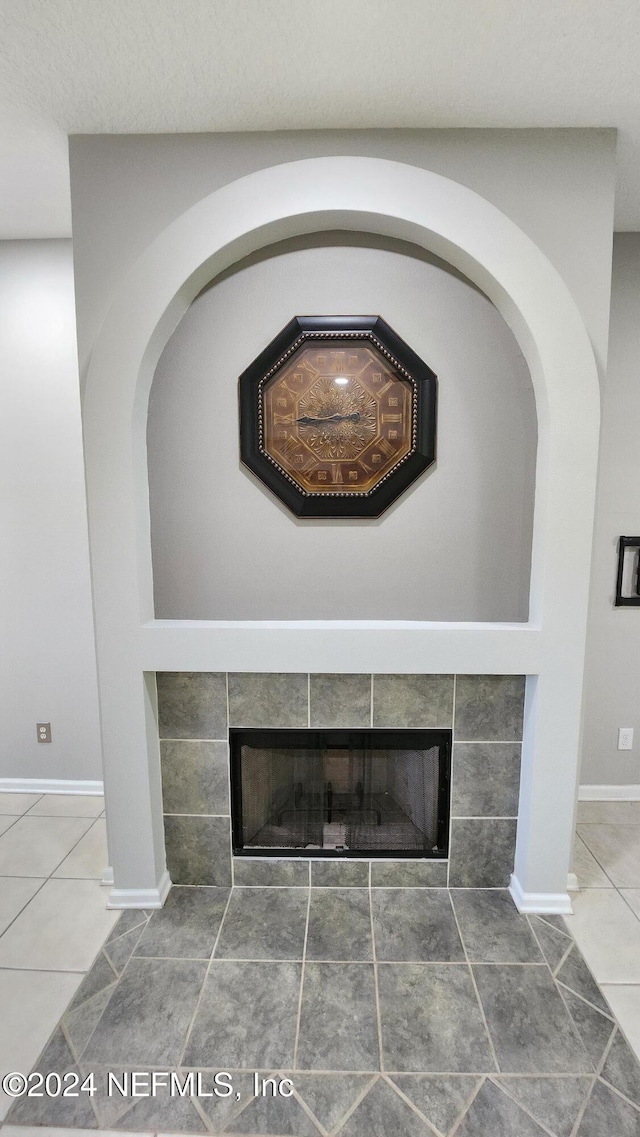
(485, 713)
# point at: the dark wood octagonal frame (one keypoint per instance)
(339, 504)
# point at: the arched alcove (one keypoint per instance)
(456, 224)
(456, 546)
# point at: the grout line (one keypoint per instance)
(163, 739)
(493, 817)
(627, 888)
(592, 854)
(339, 1125)
(469, 1101)
(605, 1014)
(581, 1112)
(374, 957)
(473, 1096)
(431, 1127)
(475, 986)
(574, 1025)
(489, 741)
(304, 958)
(525, 1109)
(204, 983)
(618, 1093)
(563, 960)
(451, 777)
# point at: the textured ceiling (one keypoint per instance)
(147, 66)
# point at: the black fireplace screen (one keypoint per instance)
(340, 793)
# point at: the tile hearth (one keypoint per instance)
(415, 1011)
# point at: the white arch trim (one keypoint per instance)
(458, 225)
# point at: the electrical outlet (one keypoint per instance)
(43, 731)
(625, 738)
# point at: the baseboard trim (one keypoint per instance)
(141, 897)
(610, 793)
(572, 883)
(50, 786)
(545, 903)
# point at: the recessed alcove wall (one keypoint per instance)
(456, 546)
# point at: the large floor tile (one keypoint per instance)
(6, 821)
(589, 873)
(625, 1003)
(187, 926)
(339, 924)
(415, 926)
(148, 1016)
(17, 804)
(264, 923)
(32, 1003)
(492, 929)
(608, 935)
(68, 805)
(90, 857)
(247, 1017)
(528, 1022)
(35, 846)
(338, 1021)
(15, 894)
(62, 928)
(431, 1020)
(617, 849)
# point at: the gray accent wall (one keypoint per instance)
(484, 713)
(455, 546)
(612, 669)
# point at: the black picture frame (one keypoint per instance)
(298, 331)
(621, 601)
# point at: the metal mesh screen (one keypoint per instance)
(344, 800)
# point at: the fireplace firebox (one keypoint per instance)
(340, 793)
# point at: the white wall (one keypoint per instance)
(612, 682)
(47, 661)
(455, 546)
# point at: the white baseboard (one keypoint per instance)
(572, 883)
(50, 786)
(141, 897)
(609, 793)
(107, 878)
(549, 903)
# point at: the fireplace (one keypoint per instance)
(337, 793)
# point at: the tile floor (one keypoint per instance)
(393, 1011)
(606, 919)
(52, 915)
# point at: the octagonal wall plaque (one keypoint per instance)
(337, 416)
